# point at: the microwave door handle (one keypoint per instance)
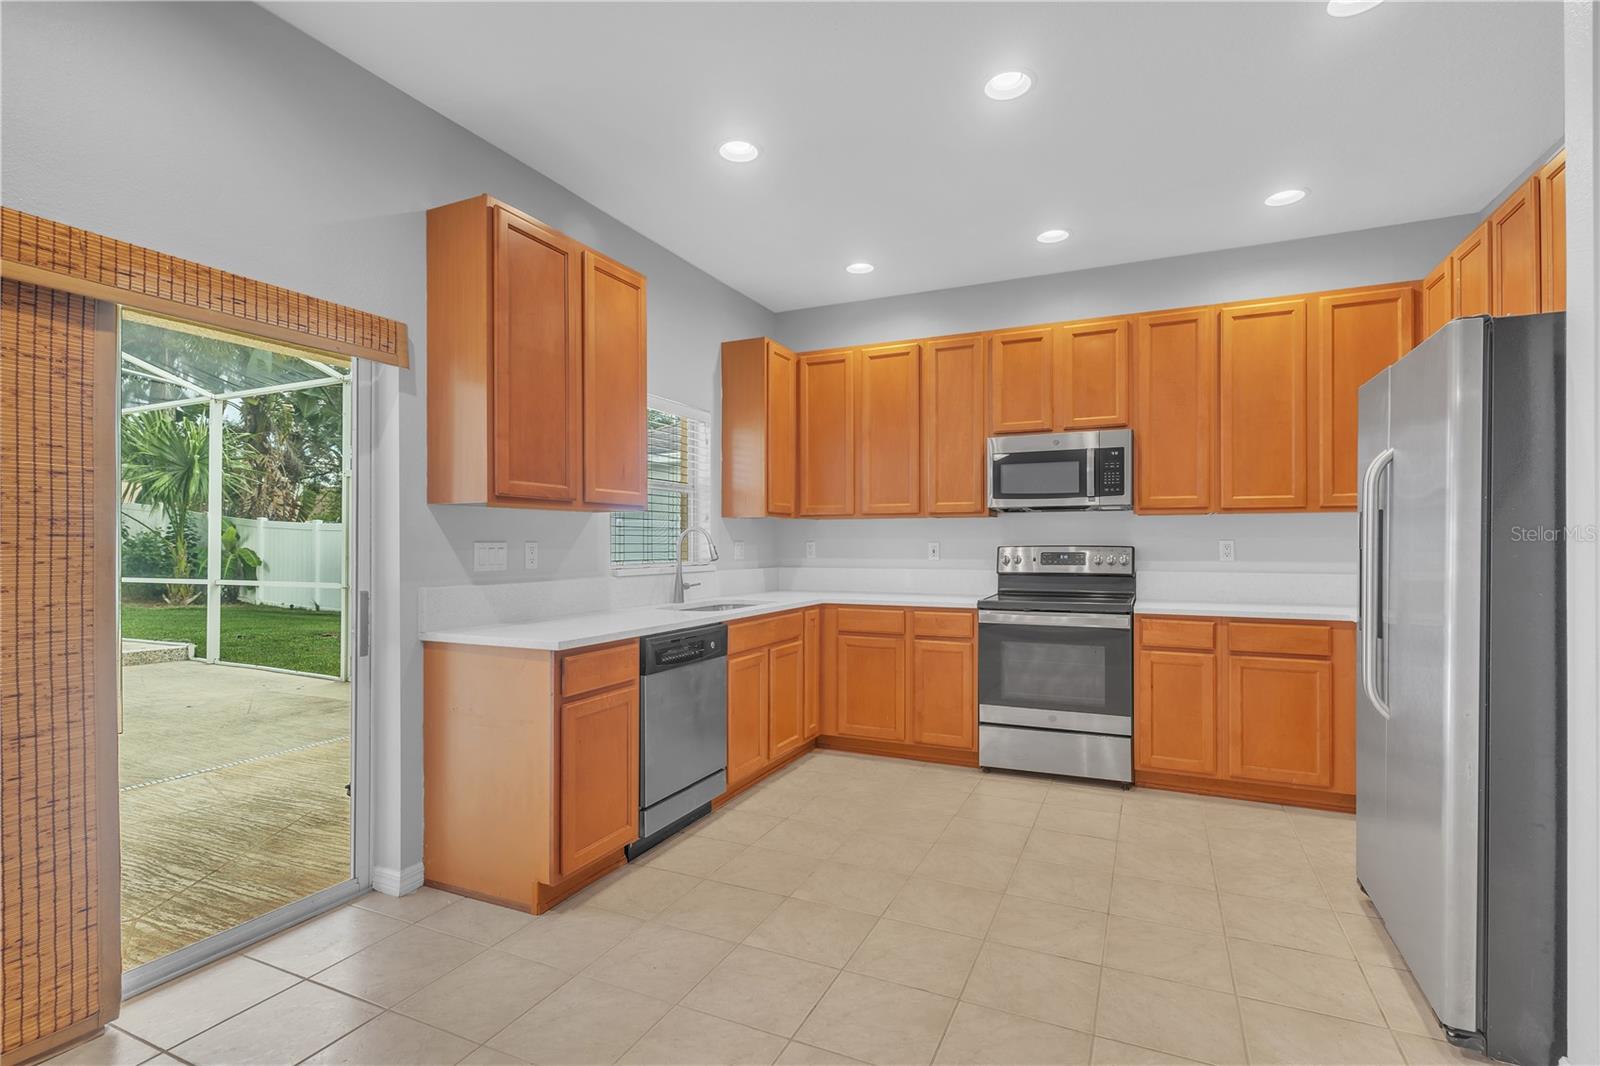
(1370, 584)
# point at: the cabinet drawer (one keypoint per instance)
(1268, 638)
(587, 671)
(1198, 634)
(760, 632)
(872, 620)
(944, 623)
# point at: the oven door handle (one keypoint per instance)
(1057, 620)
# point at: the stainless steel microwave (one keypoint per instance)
(1090, 471)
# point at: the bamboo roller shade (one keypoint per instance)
(50, 828)
(42, 252)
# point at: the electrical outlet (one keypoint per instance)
(933, 551)
(1225, 551)
(738, 551)
(530, 554)
(811, 549)
(489, 555)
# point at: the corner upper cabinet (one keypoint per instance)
(952, 426)
(1438, 297)
(759, 428)
(1175, 411)
(888, 430)
(1514, 252)
(1356, 335)
(1090, 378)
(1472, 264)
(1553, 234)
(1020, 368)
(826, 384)
(536, 365)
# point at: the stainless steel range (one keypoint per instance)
(1055, 662)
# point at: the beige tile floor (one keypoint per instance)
(854, 910)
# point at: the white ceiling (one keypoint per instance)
(1153, 129)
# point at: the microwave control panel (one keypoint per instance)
(1108, 473)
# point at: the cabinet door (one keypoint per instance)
(1174, 416)
(1280, 720)
(537, 361)
(944, 693)
(1358, 334)
(1514, 252)
(786, 698)
(748, 692)
(826, 468)
(1438, 297)
(1262, 407)
(1175, 711)
(1019, 381)
(599, 773)
(613, 383)
(813, 667)
(1553, 234)
(870, 686)
(1472, 266)
(952, 427)
(888, 430)
(1091, 374)
(781, 415)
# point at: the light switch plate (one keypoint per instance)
(738, 551)
(811, 549)
(933, 551)
(489, 555)
(530, 555)
(1225, 551)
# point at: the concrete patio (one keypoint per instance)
(233, 798)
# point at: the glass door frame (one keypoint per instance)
(360, 496)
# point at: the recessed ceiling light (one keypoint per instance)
(859, 268)
(1008, 85)
(1285, 198)
(1343, 9)
(1052, 236)
(738, 151)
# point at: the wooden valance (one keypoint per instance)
(38, 251)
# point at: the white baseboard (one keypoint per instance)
(393, 882)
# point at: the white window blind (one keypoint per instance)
(678, 469)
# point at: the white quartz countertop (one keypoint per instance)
(1317, 612)
(582, 630)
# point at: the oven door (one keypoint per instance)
(1022, 480)
(1056, 670)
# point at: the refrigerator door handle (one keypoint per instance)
(1371, 581)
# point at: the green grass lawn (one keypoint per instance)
(262, 636)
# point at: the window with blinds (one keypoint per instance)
(678, 469)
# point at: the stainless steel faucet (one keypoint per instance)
(679, 585)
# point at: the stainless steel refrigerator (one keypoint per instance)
(1460, 807)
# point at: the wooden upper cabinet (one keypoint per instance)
(944, 693)
(614, 396)
(869, 682)
(536, 365)
(888, 430)
(1553, 234)
(1514, 252)
(1438, 297)
(786, 699)
(1358, 334)
(599, 773)
(826, 468)
(760, 381)
(749, 693)
(1091, 374)
(1174, 413)
(1020, 368)
(952, 427)
(1262, 406)
(1472, 263)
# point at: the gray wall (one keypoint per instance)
(219, 133)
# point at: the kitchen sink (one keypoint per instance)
(717, 606)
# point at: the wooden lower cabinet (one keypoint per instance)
(786, 698)
(1261, 710)
(748, 689)
(944, 687)
(869, 686)
(813, 667)
(531, 760)
(768, 671)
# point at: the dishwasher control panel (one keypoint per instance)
(681, 648)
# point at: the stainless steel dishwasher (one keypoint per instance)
(683, 730)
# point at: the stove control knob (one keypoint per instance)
(1098, 560)
(1005, 559)
(1123, 560)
